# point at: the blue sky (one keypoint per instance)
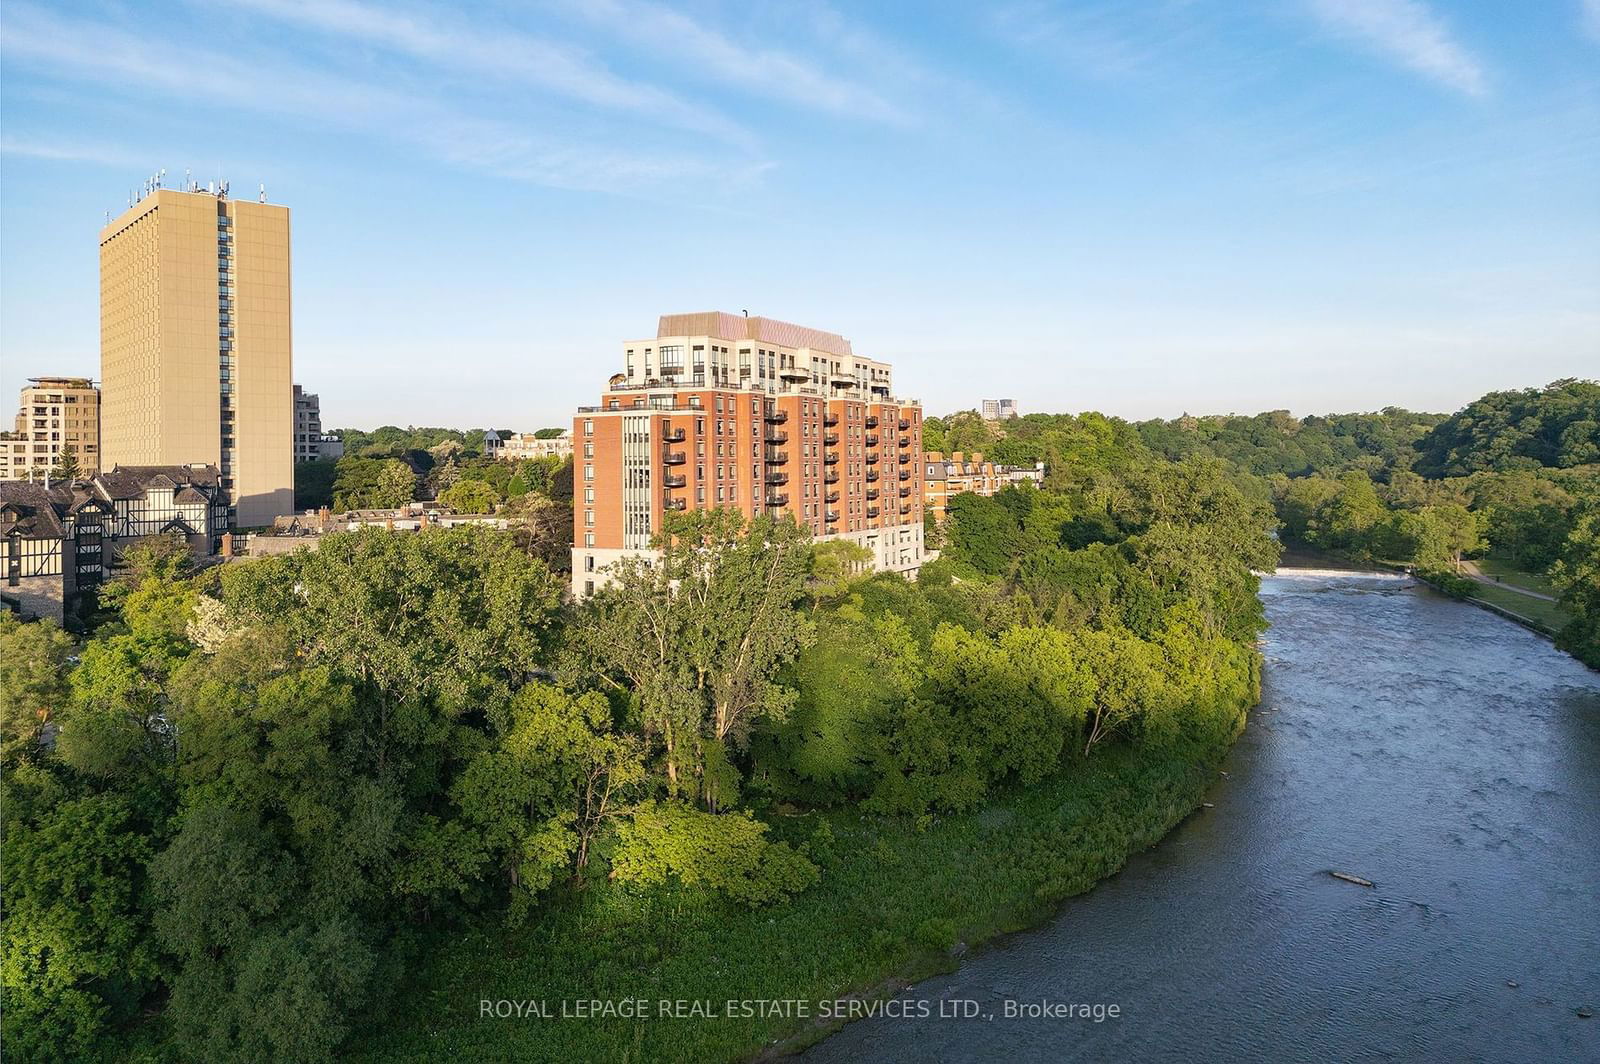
(1143, 208)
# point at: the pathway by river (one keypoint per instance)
(1442, 752)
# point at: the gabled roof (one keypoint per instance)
(31, 509)
(130, 482)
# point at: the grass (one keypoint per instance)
(892, 903)
(1510, 574)
(1549, 614)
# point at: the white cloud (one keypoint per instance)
(66, 152)
(104, 54)
(1411, 34)
(504, 54)
(754, 68)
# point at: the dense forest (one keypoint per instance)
(266, 799)
(1513, 478)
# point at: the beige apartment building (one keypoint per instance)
(766, 417)
(195, 347)
(55, 416)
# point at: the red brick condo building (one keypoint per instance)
(767, 417)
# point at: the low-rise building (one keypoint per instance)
(520, 445)
(962, 472)
(305, 530)
(58, 539)
(55, 416)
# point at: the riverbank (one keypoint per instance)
(1538, 612)
(1405, 738)
(894, 905)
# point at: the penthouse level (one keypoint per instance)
(767, 417)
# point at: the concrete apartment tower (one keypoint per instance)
(195, 349)
(56, 415)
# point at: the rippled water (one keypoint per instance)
(1445, 754)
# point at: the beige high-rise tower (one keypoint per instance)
(195, 350)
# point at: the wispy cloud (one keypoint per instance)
(1409, 33)
(753, 68)
(1591, 18)
(105, 54)
(66, 152)
(504, 54)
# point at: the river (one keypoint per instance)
(1445, 754)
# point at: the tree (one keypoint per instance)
(1458, 530)
(471, 497)
(542, 528)
(79, 955)
(1347, 519)
(697, 639)
(33, 685)
(835, 563)
(1577, 576)
(397, 485)
(66, 468)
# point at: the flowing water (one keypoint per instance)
(1447, 755)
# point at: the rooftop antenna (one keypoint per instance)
(263, 192)
(747, 313)
(188, 181)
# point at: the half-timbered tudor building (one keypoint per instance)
(58, 541)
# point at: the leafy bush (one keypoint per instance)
(727, 853)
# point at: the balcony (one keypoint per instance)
(905, 441)
(832, 496)
(674, 480)
(775, 477)
(873, 511)
(778, 499)
(830, 459)
(872, 458)
(905, 474)
(777, 417)
(872, 476)
(905, 493)
(669, 503)
(905, 508)
(794, 373)
(831, 477)
(830, 420)
(905, 459)
(673, 436)
(777, 436)
(777, 457)
(831, 516)
(872, 421)
(674, 458)
(905, 425)
(872, 439)
(873, 493)
(830, 439)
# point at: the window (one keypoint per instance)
(588, 517)
(588, 426)
(588, 539)
(588, 472)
